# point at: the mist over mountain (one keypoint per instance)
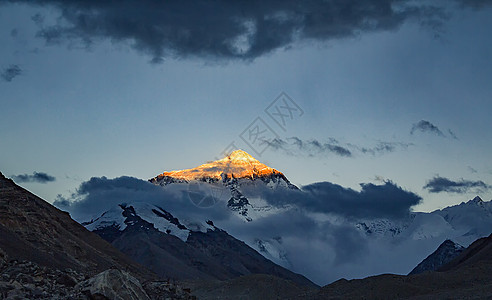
(322, 224)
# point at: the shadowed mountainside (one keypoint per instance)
(445, 253)
(210, 255)
(32, 229)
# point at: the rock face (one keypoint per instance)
(44, 254)
(34, 230)
(445, 253)
(113, 284)
(478, 254)
(28, 280)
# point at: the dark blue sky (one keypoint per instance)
(389, 90)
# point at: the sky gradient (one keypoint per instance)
(388, 90)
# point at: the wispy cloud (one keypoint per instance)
(452, 134)
(39, 177)
(9, 73)
(383, 147)
(296, 146)
(311, 147)
(440, 184)
(427, 127)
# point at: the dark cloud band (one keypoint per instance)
(442, 184)
(387, 200)
(226, 29)
(39, 177)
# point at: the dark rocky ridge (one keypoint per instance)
(478, 253)
(44, 254)
(445, 253)
(32, 229)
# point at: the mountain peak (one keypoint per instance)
(477, 199)
(238, 164)
(240, 155)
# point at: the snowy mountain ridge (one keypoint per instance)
(463, 223)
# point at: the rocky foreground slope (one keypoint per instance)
(28, 280)
(34, 230)
(44, 254)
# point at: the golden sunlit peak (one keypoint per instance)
(240, 155)
(238, 164)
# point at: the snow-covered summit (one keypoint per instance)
(238, 164)
(234, 177)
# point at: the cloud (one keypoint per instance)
(426, 126)
(8, 74)
(313, 147)
(315, 231)
(296, 146)
(452, 134)
(442, 184)
(383, 147)
(39, 177)
(226, 29)
(99, 194)
(386, 200)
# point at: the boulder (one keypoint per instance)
(113, 284)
